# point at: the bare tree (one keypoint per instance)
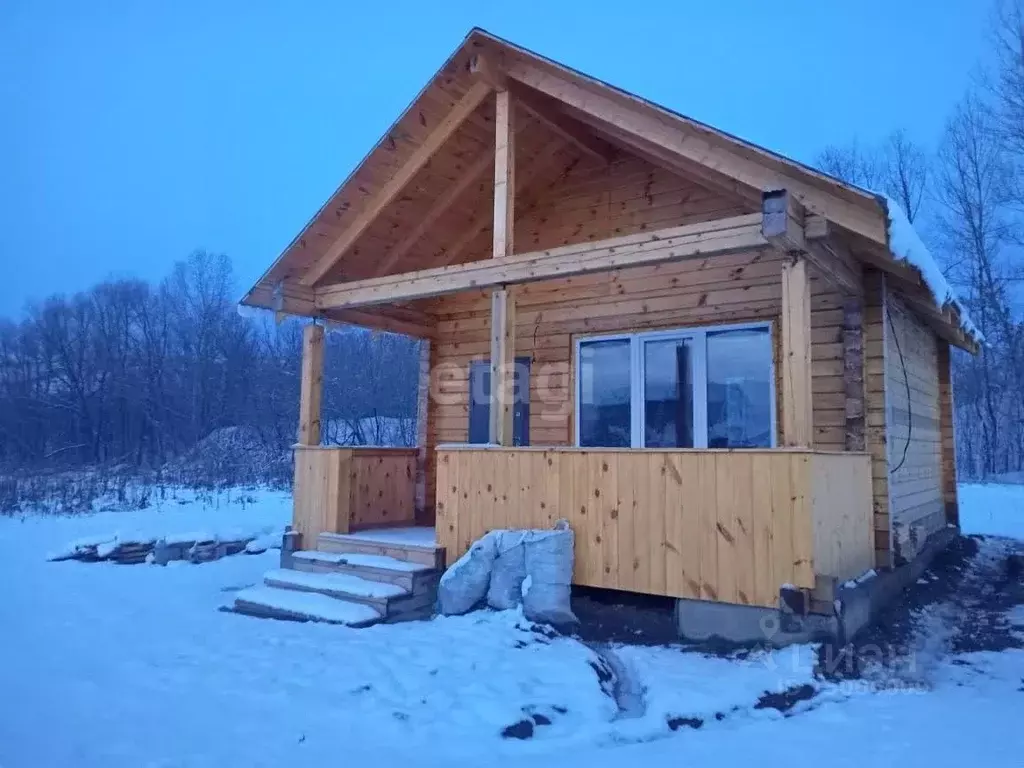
(898, 167)
(1006, 83)
(973, 178)
(904, 172)
(139, 376)
(853, 163)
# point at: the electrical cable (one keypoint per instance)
(906, 380)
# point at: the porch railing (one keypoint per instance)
(730, 526)
(342, 489)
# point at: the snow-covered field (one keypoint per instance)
(110, 665)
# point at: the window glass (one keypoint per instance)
(739, 401)
(604, 394)
(668, 393)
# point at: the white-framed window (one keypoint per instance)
(711, 387)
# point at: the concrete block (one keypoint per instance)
(291, 542)
(704, 621)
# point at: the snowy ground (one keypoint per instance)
(112, 665)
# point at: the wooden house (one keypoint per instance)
(700, 353)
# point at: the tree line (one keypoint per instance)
(966, 198)
(138, 374)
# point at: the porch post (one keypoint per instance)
(782, 224)
(946, 434)
(422, 416)
(797, 408)
(503, 343)
(311, 388)
(853, 373)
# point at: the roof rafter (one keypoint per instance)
(462, 110)
(571, 130)
(484, 161)
(707, 178)
(674, 135)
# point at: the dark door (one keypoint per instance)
(480, 402)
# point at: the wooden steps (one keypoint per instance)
(352, 579)
(392, 543)
(388, 570)
(274, 603)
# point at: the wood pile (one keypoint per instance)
(132, 551)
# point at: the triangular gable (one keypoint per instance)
(423, 173)
(700, 149)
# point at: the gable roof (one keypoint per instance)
(425, 178)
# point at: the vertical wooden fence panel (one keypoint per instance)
(383, 487)
(321, 491)
(342, 489)
(843, 536)
(732, 526)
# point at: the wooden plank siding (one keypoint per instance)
(730, 526)
(843, 541)
(383, 487)
(338, 490)
(913, 426)
(321, 491)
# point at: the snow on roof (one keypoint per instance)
(906, 244)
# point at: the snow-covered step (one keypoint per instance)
(365, 561)
(270, 602)
(412, 576)
(340, 585)
(390, 600)
(413, 545)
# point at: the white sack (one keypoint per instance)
(465, 583)
(547, 588)
(508, 571)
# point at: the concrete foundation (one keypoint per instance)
(853, 608)
(704, 621)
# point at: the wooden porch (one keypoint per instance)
(344, 490)
(729, 526)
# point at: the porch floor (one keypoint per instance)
(418, 536)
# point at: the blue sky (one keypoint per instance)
(135, 132)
